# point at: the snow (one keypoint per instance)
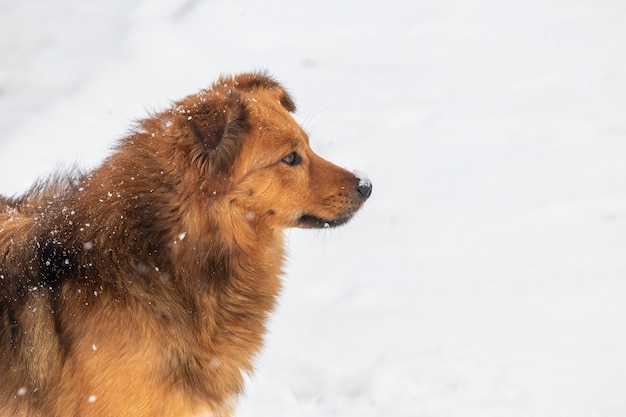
(486, 274)
(364, 180)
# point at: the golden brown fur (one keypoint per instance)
(142, 288)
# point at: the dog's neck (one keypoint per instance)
(166, 226)
(229, 270)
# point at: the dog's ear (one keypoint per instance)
(249, 82)
(217, 117)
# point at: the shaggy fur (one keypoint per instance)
(142, 288)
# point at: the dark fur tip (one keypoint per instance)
(217, 118)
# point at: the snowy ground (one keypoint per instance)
(487, 274)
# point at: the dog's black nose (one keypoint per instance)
(365, 188)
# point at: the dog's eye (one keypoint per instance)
(292, 159)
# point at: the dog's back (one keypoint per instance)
(30, 352)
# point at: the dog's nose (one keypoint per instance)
(364, 188)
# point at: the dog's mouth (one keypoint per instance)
(313, 222)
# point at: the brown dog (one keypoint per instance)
(143, 287)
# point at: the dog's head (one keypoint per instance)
(255, 158)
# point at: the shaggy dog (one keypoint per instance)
(142, 288)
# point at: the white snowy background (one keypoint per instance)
(487, 274)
